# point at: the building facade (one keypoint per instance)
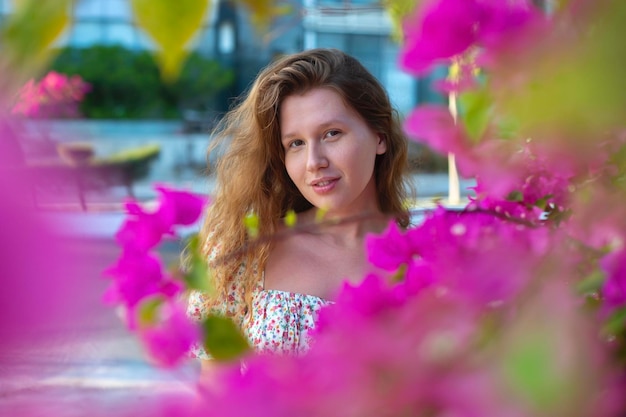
(359, 27)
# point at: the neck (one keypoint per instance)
(346, 231)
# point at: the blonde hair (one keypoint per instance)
(251, 174)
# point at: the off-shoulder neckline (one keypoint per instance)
(295, 294)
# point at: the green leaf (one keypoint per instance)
(320, 214)
(515, 196)
(263, 11)
(251, 222)
(223, 340)
(591, 283)
(507, 127)
(291, 218)
(198, 274)
(148, 310)
(171, 25)
(400, 274)
(577, 88)
(529, 367)
(29, 33)
(399, 10)
(616, 324)
(475, 109)
(542, 203)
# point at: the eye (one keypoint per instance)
(295, 143)
(332, 133)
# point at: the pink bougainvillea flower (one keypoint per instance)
(56, 95)
(509, 29)
(461, 248)
(464, 80)
(143, 229)
(179, 207)
(392, 250)
(169, 338)
(370, 297)
(597, 217)
(136, 276)
(402, 360)
(435, 126)
(140, 233)
(443, 29)
(438, 31)
(454, 252)
(614, 287)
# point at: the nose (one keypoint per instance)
(316, 157)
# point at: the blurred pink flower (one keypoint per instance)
(169, 338)
(143, 230)
(440, 30)
(614, 287)
(179, 207)
(135, 277)
(434, 125)
(465, 79)
(597, 218)
(460, 248)
(395, 358)
(56, 95)
(443, 29)
(392, 250)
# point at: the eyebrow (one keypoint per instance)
(322, 126)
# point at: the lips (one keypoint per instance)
(323, 185)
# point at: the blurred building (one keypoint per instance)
(359, 27)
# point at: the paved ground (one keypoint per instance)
(84, 362)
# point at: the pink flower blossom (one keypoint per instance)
(455, 253)
(143, 229)
(141, 232)
(597, 217)
(614, 288)
(180, 207)
(56, 95)
(169, 338)
(461, 248)
(443, 29)
(463, 81)
(404, 359)
(135, 277)
(435, 126)
(392, 250)
(440, 30)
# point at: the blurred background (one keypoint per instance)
(127, 130)
(129, 113)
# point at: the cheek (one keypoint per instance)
(291, 166)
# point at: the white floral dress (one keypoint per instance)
(279, 321)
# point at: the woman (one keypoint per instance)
(316, 135)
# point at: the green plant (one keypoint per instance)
(126, 84)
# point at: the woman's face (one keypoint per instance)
(330, 152)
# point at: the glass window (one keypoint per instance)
(331, 40)
(120, 34)
(117, 9)
(86, 34)
(87, 9)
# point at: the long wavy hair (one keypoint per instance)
(251, 174)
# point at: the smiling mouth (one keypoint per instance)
(323, 182)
